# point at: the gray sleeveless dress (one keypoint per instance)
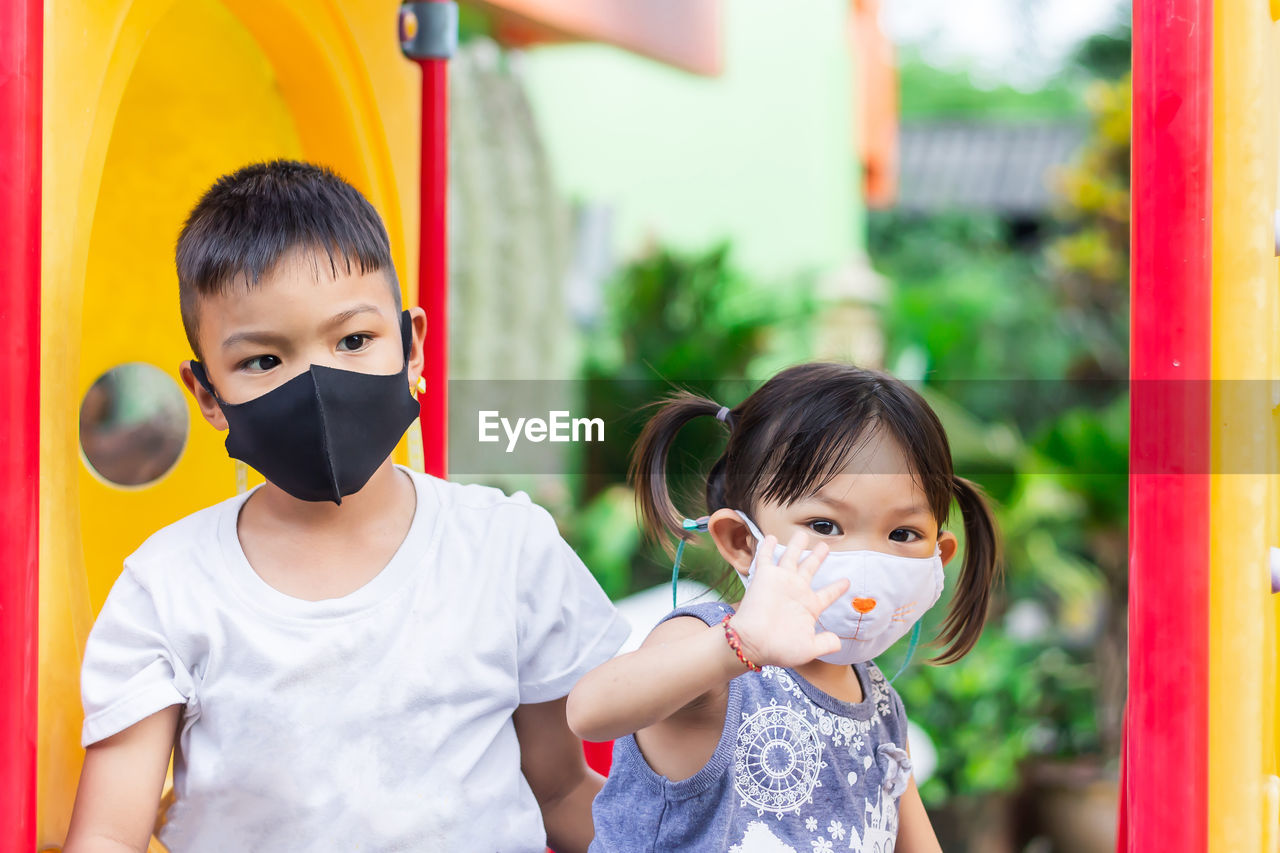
(795, 770)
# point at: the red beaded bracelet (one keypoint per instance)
(735, 643)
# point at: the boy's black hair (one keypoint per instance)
(252, 218)
(797, 432)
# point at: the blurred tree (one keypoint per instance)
(973, 310)
(673, 320)
(931, 92)
(1106, 55)
(1090, 263)
(969, 314)
(1090, 268)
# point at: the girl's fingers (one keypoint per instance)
(828, 594)
(813, 562)
(766, 548)
(795, 545)
(825, 643)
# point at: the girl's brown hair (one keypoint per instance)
(797, 432)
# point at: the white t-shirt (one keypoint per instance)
(377, 721)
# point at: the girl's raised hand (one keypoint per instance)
(776, 618)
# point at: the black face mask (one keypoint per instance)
(321, 435)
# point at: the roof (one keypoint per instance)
(1005, 167)
(682, 33)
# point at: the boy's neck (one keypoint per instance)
(317, 551)
(386, 490)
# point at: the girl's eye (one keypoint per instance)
(260, 363)
(354, 343)
(822, 527)
(903, 534)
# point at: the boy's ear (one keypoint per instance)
(207, 402)
(417, 358)
(947, 545)
(733, 539)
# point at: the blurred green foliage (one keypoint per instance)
(673, 320)
(1023, 327)
(1006, 700)
(930, 92)
(1018, 338)
(473, 24)
(969, 313)
(1089, 261)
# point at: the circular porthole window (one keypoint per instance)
(133, 424)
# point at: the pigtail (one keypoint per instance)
(648, 472)
(978, 574)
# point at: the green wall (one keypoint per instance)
(763, 155)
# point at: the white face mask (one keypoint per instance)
(887, 594)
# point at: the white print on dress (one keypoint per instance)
(777, 761)
(881, 830)
(842, 730)
(759, 839)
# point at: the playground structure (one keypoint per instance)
(114, 115)
(136, 122)
(1200, 759)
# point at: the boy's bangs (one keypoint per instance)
(251, 221)
(327, 261)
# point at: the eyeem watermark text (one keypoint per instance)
(558, 427)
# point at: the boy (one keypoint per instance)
(351, 656)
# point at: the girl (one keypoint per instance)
(764, 726)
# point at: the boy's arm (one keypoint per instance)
(120, 787)
(553, 763)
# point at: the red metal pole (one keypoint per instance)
(1164, 800)
(433, 270)
(21, 57)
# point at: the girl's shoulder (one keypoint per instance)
(709, 612)
(880, 691)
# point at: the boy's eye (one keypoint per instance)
(823, 527)
(260, 363)
(904, 534)
(353, 343)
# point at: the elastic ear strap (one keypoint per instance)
(197, 369)
(699, 524)
(911, 649)
(675, 572)
(406, 333)
(755, 531)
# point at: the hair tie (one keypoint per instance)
(723, 415)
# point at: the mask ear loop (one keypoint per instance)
(699, 524)
(911, 649)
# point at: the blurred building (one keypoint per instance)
(682, 124)
(1001, 167)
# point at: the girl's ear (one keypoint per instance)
(948, 545)
(733, 539)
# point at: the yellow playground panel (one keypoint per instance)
(146, 102)
(1244, 501)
